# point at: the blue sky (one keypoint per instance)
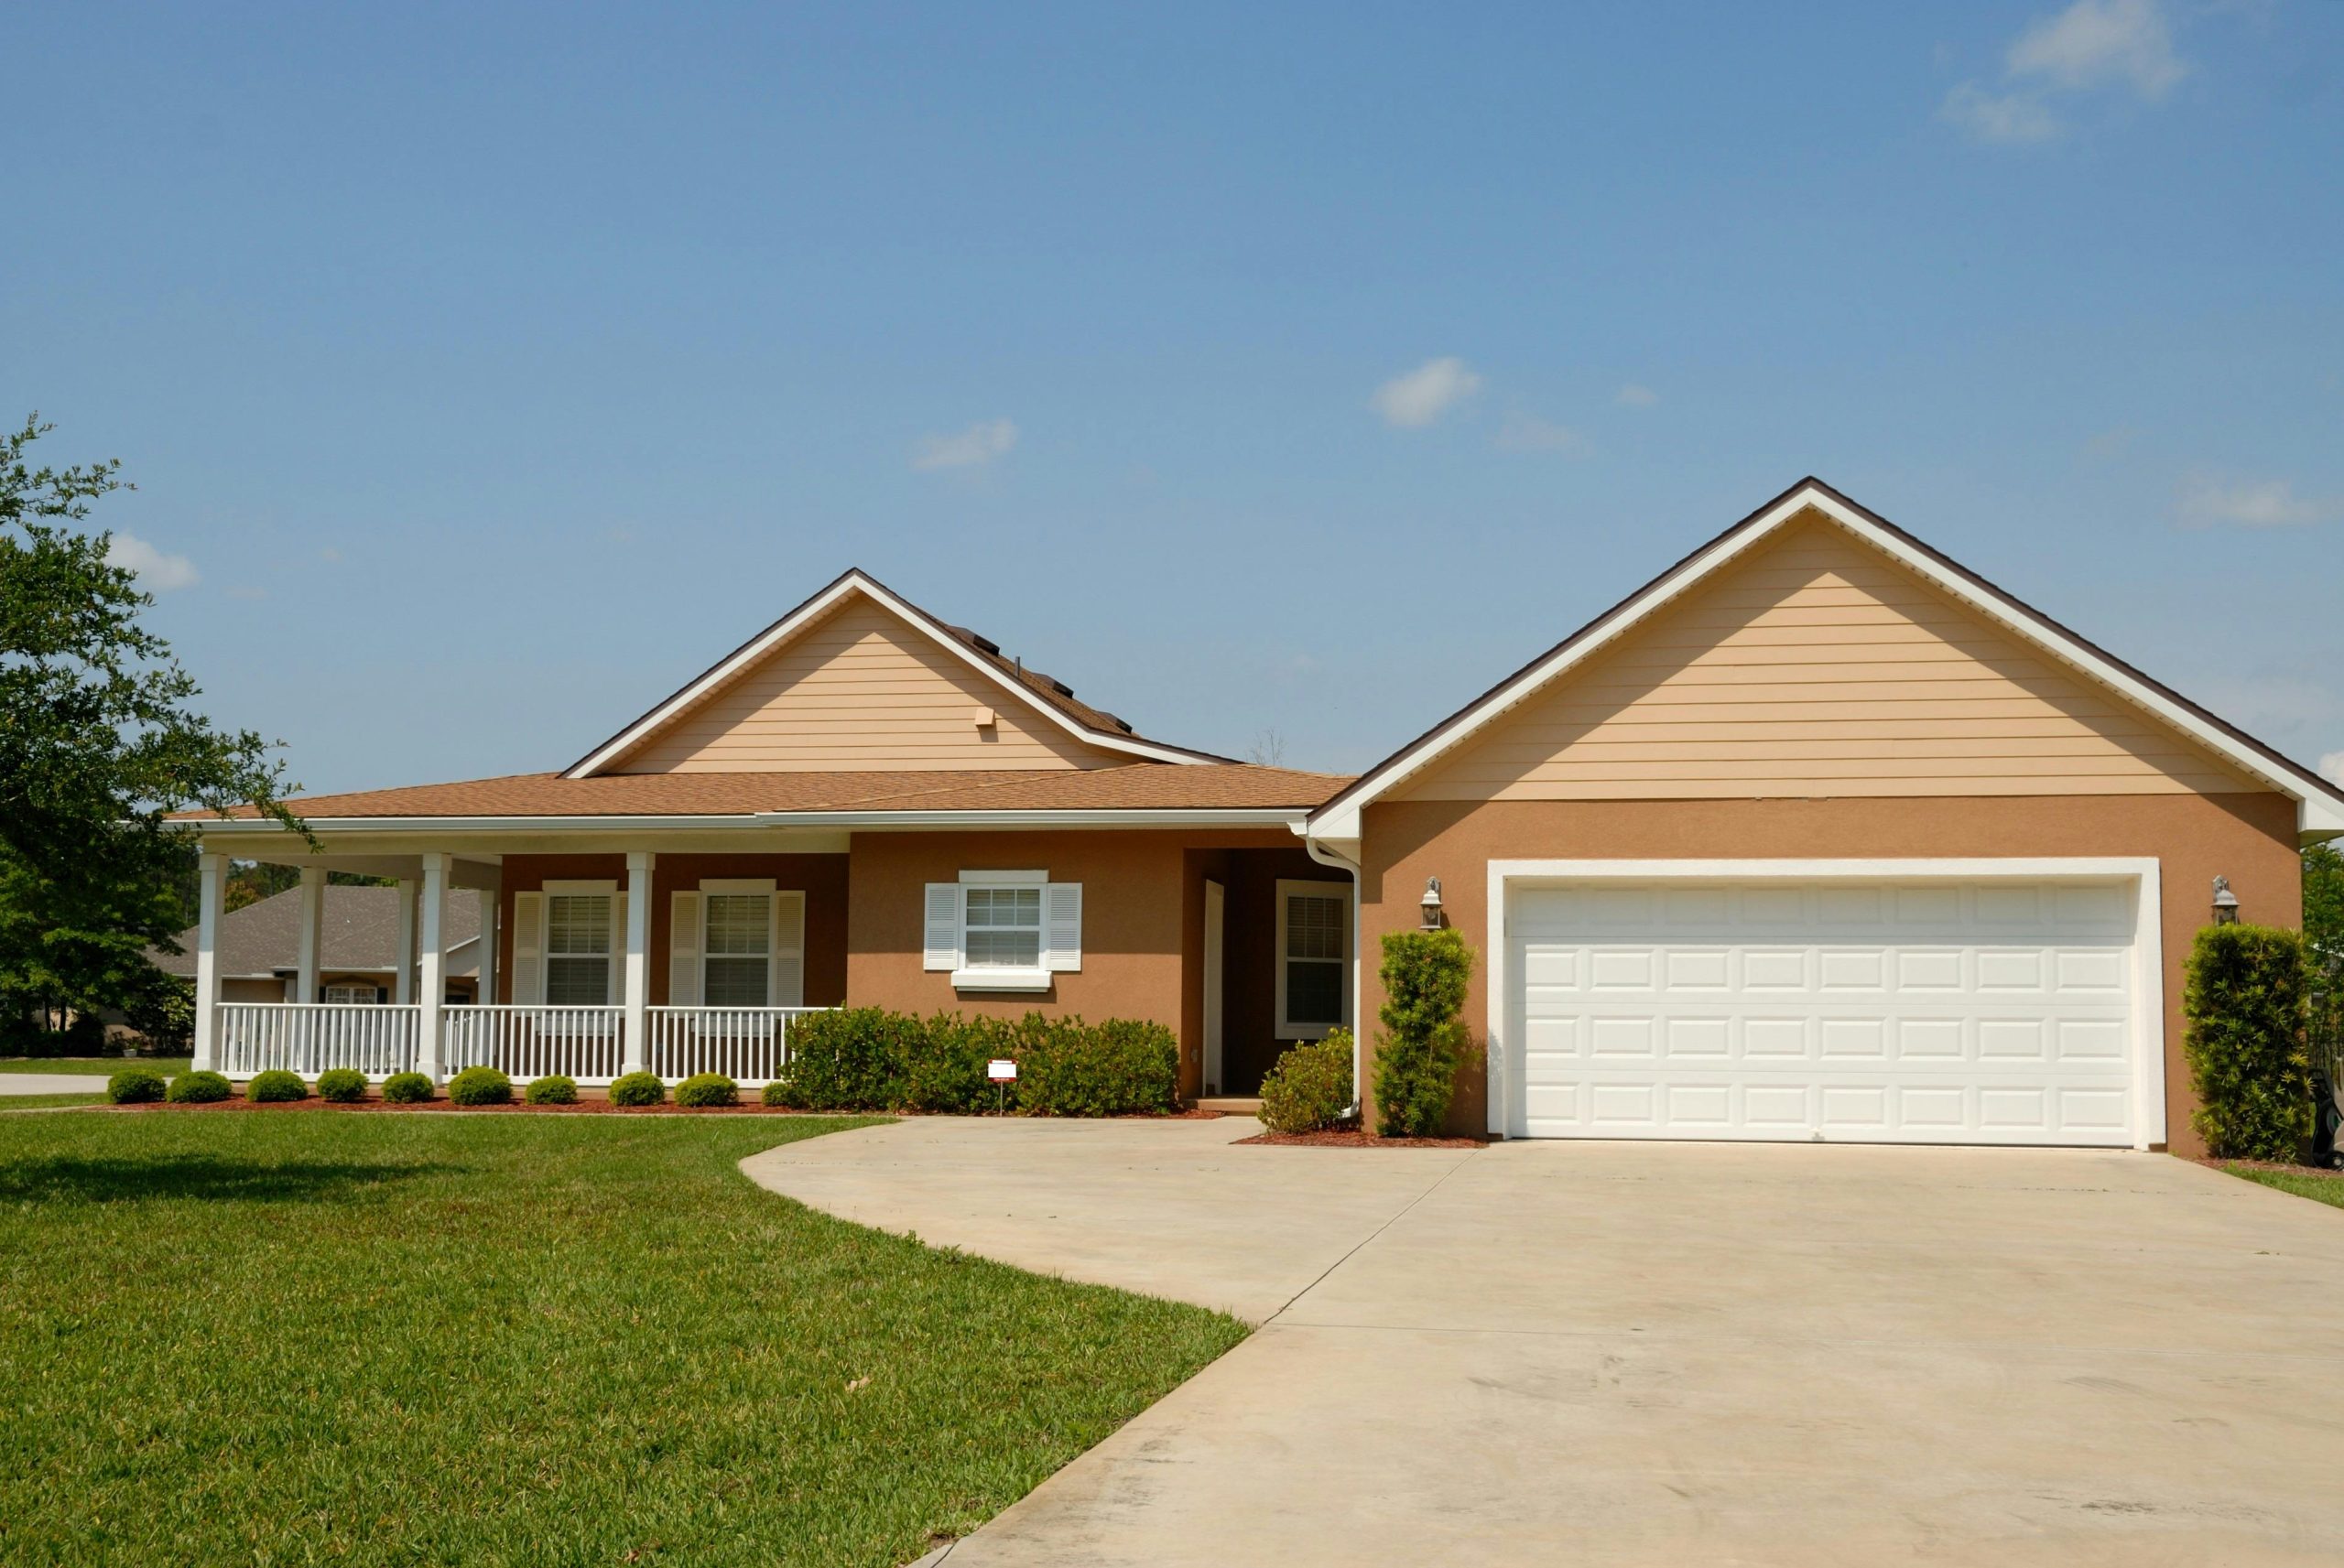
(486, 372)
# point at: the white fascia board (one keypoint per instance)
(821, 604)
(1292, 817)
(1342, 820)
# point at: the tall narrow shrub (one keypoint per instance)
(1423, 1040)
(2248, 1055)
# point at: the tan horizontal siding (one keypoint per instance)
(1820, 667)
(860, 691)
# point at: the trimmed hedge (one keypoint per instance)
(342, 1085)
(556, 1088)
(407, 1088)
(1423, 1042)
(480, 1085)
(198, 1088)
(2249, 1057)
(276, 1087)
(870, 1059)
(134, 1085)
(1310, 1087)
(638, 1088)
(706, 1090)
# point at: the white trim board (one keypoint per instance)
(850, 584)
(2148, 941)
(2320, 807)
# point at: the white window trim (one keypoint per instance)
(616, 957)
(965, 979)
(1288, 1029)
(708, 885)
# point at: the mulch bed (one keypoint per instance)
(2280, 1165)
(595, 1106)
(1354, 1139)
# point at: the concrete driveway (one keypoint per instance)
(1616, 1353)
(51, 1084)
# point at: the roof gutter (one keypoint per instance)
(1291, 817)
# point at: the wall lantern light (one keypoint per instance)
(1431, 905)
(2225, 903)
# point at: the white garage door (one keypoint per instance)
(1922, 1011)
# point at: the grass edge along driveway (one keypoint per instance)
(307, 1338)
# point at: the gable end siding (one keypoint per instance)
(1819, 667)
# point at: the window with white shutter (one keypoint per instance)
(1314, 958)
(578, 949)
(737, 959)
(1007, 930)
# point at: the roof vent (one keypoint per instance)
(978, 641)
(1059, 686)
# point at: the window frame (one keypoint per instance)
(713, 888)
(967, 976)
(613, 955)
(1287, 889)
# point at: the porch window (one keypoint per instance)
(578, 949)
(353, 993)
(738, 965)
(1314, 958)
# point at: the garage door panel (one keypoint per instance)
(1952, 1012)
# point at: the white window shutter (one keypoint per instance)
(683, 950)
(1062, 927)
(618, 948)
(787, 986)
(529, 950)
(941, 949)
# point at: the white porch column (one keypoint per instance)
(211, 882)
(402, 987)
(431, 979)
(637, 992)
(311, 950)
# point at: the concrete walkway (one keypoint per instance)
(1615, 1353)
(51, 1084)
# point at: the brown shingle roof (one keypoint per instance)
(362, 933)
(1141, 786)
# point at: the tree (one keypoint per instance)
(98, 747)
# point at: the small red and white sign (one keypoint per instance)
(1001, 1070)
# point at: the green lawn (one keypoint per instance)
(306, 1336)
(2319, 1186)
(46, 1102)
(105, 1066)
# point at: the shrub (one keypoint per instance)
(851, 1059)
(556, 1089)
(342, 1085)
(774, 1095)
(276, 1087)
(2248, 1055)
(708, 1089)
(945, 1071)
(134, 1085)
(198, 1088)
(407, 1088)
(480, 1085)
(638, 1088)
(1423, 1042)
(1121, 1067)
(1310, 1088)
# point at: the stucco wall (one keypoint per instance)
(2251, 838)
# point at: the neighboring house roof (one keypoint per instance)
(361, 934)
(2320, 803)
(1051, 698)
(1139, 786)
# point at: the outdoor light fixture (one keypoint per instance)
(1431, 905)
(2225, 903)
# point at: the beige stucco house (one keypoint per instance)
(1817, 836)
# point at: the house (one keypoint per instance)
(356, 950)
(1817, 836)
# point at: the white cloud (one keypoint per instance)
(972, 447)
(2005, 118)
(157, 572)
(1424, 393)
(2263, 504)
(1528, 433)
(2331, 767)
(1633, 396)
(2097, 42)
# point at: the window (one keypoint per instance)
(1004, 931)
(346, 993)
(1001, 928)
(578, 949)
(1314, 958)
(737, 962)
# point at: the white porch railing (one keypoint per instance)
(582, 1042)
(747, 1044)
(308, 1037)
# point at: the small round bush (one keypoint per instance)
(708, 1089)
(1310, 1087)
(638, 1088)
(778, 1095)
(276, 1087)
(343, 1086)
(198, 1088)
(407, 1088)
(554, 1090)
(134, 1085)
(480, 1085)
